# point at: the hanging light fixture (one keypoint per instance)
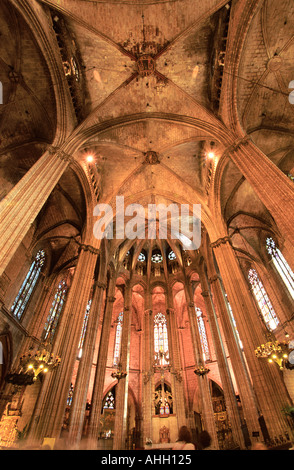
(274, 351)
(119, 374)
(201, 371)
(31, 365)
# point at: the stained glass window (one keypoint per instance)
(281, 265)
(109, 401)
(28, 285)
(161, 338)
(203, 336)
(55, 311)
(171, 255)
(263, 301)
(118, 339)
(141, 257)
(84, 328)
(234, 323)
(156, 258)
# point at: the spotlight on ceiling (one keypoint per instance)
(210, 152)
(89, 158)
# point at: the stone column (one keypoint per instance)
(175, 363)
(223, 367)
(54, 393)
(78, 406)
(121, 407)
(21, 206)
(203, 385)
(273, 188)
(98, 389)
(248, 399)
(267, 382)
(147, 377)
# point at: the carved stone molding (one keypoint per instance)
(213, 279)
(178, 375)
(65, 157)
(90, 248)
(148, 312)
(221, 241)
(205, 293)
(100, 285)
(151, 158)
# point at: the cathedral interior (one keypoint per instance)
(115, 342)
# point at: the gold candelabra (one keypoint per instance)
(201, 371)
(31, 365)
(274, 351)
(119, 374)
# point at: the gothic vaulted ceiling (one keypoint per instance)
(140, 74)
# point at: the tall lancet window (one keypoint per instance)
(55, 311)
(203, 336)
(84, 328)
(234, 323)
(263, 301)
(28, 285)
(118, 334)
(161, 339)
(281, 265)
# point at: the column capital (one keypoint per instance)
(65, 156)
(191, 304)
(89, 248)
(235, 146)
(221, 241)
(99, 284)
(205, 293)
(52, 150)
(170, 311)
(148, 312)
(213, 278)
(111, 299)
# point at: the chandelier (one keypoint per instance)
(201, 371)
(31, 365)
(274, 351)
(119, 374)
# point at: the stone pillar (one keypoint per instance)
(49, 414)
(175, 363)
(223, 367)
(21, 206)
(273, 188)
(147, 376)
(203, 385)
(121, 407)
(267, 382)
(98, 389)
(248, 399)
(78, 406)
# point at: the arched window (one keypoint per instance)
(203, 336)
(234, 323)
(55, 311)
(109, 403)
(118, 339)
(263, 301)
(281, 265)
(28, 285)
(161, 339)
(84, 328)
